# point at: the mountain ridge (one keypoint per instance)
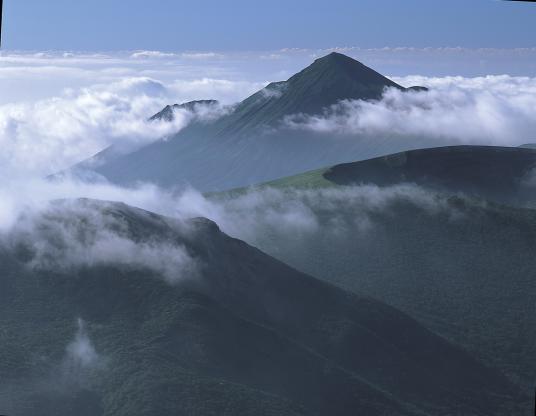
(167, 113)
(497, 173)
(249, 335)
(253, 144)
(448, 238)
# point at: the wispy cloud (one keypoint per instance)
(81, 353)
(47, 135)
(64, 236)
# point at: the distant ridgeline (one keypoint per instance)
(501, 174)
(168, 113)
(252, 143)
(528, 146)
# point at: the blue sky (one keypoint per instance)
(235, 25)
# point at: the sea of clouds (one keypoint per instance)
(59, 108)
(492, 110)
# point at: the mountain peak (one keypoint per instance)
(257, 123)
(329, 80)
(341, 62)
(336, 57)
(348, 73)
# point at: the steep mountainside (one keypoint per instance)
(178, 318)
(463, 266)
(253, 143)
(327, 81)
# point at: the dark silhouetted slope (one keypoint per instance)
(247, 335)
(503, 174)
(499, 173)
(462, 265)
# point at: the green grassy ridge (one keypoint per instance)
(500, 174)
(309, 180)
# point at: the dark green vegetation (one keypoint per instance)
(247, 336)
(253, 143)
(463, 267)
(502, 174)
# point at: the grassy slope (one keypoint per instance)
(486, 171)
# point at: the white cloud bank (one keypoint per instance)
(65, 236)
(57, 108)
(493, 110)
(60, 108)
(40, 135)
(48, 135)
